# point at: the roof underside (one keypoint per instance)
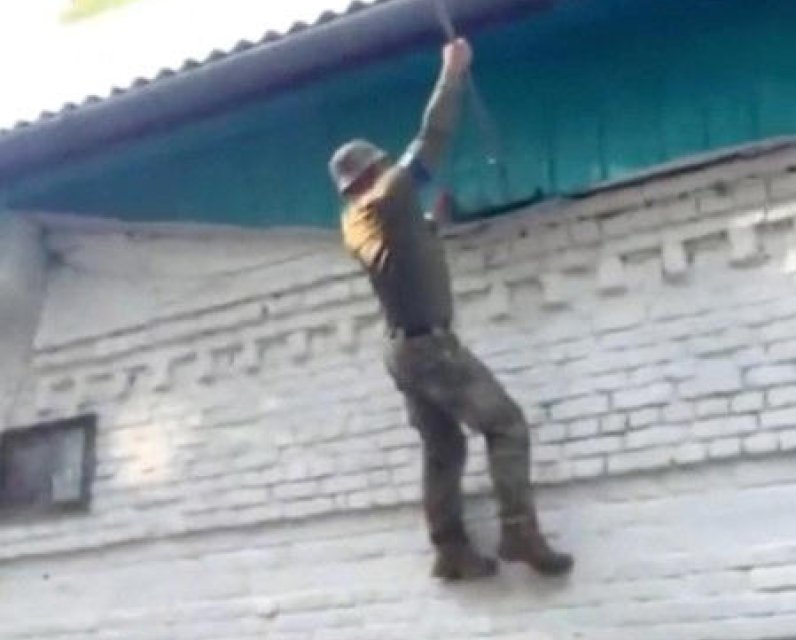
(364, 31)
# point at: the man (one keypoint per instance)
(444, 384)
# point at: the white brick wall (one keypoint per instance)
(256, 474)
(22, 281)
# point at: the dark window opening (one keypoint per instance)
(48, 467)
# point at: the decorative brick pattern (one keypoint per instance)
(648, 334)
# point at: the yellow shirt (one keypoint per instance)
(385, 231)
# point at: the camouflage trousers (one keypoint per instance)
(445, 387)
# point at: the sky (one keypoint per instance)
(45, 63)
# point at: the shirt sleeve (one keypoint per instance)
(424, 154)
(412, 162)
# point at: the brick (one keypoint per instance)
(779, 213)
(773, 578)
(653, 437)
(712, 202)
(298, 343)
(574, 350)
(608, 381)
(611, 275)
(744, 245)
(679, 308)
(584, 428)
(307, 508)
(359, 500)
(584, 232)
(725, 426)
(581, 407)
(588, 468)
(750, 193)
(379, 477)
(346, 332)
(778, 418)
(773, 555)
(789, 262)
(472, 260)
(678, 412)
(634, 358)
(644, 375)
(724, 448)
(547, 453)
(645, 417)
(681, 369)
(555, 432)
(680, 209)
(782, 186)
(296, 490)
(410, 493)
(552, 473)
(747, 402)
(690, 453)
(639, 460)
(674, 260)
(750, 356)
(399, 457)
(779, 332)
(397, 437)
(784, 351)
(387, 496)
(554, 236)
(781, 396)
(553, 290)
(767, 376)
(725, 342)
(344, 483)
(712, 378)
(638, 336)
(614, 423)
(712, 407)
(654, 394)
(787, 440)
(498, 301)
(737, 195)
(592, 447)
(715, 321)
(618, 315)
(760, 443)
(404, 475)
(327, 293)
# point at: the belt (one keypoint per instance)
(419, 331)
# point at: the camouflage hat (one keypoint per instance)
(351, 160)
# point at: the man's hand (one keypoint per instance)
(425, 152)
(456, 58)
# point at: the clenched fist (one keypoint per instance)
(456, 58)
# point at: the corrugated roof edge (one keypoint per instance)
(202, 89)
(269, 37)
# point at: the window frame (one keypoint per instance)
(88, 424)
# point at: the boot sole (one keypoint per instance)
(457, 575)
(562, 569)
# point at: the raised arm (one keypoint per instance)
(425, 152)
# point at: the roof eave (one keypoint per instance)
(213, 87)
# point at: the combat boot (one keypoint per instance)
(459, 561)
(525, 543)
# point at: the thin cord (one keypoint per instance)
(490, 134)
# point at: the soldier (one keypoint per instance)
(443, 383)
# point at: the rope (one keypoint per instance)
(490, 134)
